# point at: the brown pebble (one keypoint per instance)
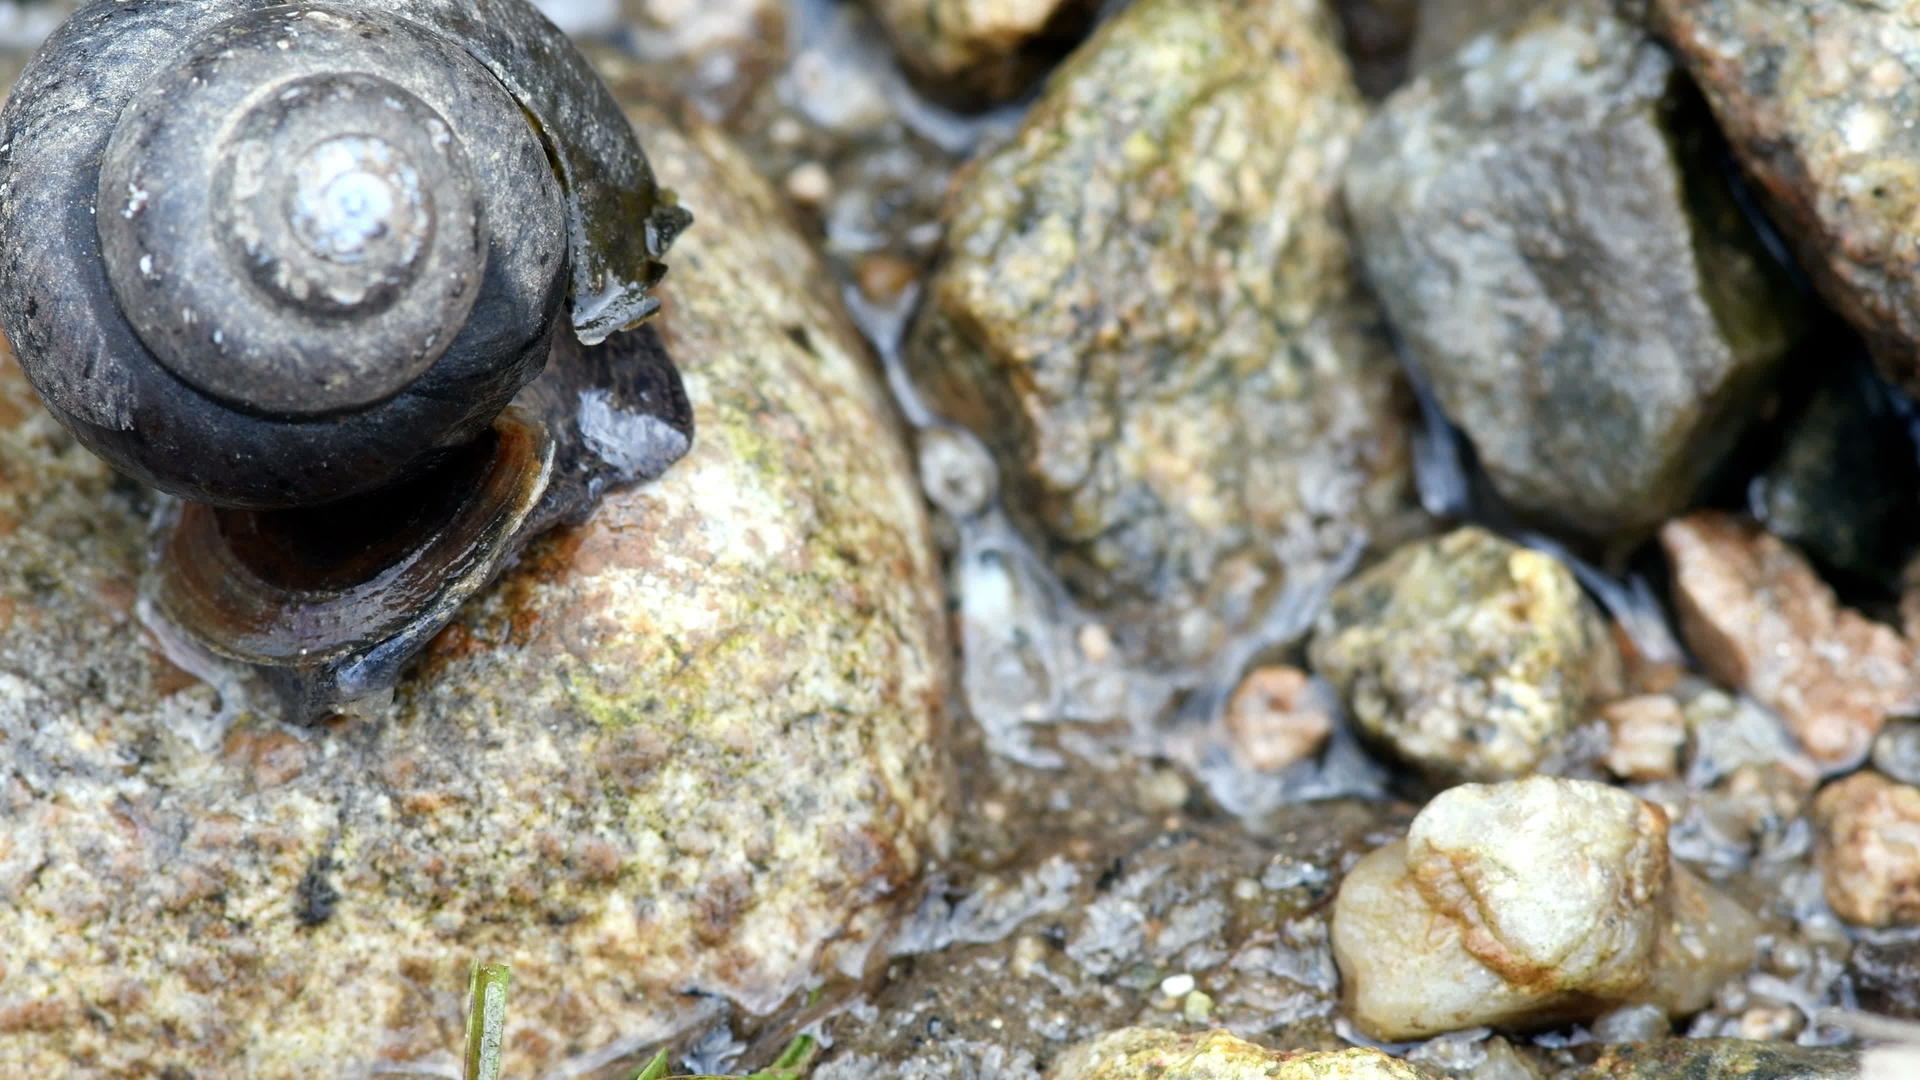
(1760, 619)
(883, 277)
(1648, 732)
(1869, 849)
(1274, 719)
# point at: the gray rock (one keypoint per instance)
(1468, 656)
(687, 754)
(1544, 221)
(1149, 312)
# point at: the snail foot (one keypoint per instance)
(325, 606)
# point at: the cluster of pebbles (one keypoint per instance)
(1430, 576)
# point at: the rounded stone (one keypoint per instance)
(1528, 903)
(1468, 656)
(688, 756)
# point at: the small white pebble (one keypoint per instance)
(1177, 986)
(809, 183)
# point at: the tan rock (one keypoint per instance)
(1870, 849)
(1760, 620)
(1275, 719)
(1525, 903)
(1468, 655)
(688, 753)
(1647, 732)
(1154, 1054)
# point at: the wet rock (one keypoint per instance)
(982, 51)
(1722, 1059)
(1158, 1054)
(1648, 732)
(1148, 311)
(1544, 222)
(1469, 656)
(1275, 718)
(1886, 974)
(1818, 120)
(687, 755)
(1870, 849)
(1097, 927)
(1760, 620)
(1844, 486)
(1527, 903)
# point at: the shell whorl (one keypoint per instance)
(289, 224)
(324, 242)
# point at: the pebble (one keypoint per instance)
(1870, 849)
(1529, 902)
(1648, 731)
(1468, 656)
(1276, 718)
(1760, 620)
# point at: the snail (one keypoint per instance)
(360, 282)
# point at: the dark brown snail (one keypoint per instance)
(293, 262)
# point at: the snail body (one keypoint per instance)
(292, 253)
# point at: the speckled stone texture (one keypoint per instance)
(1526, 903)
(1870, 849)
(1467, 656)
(690, 753)
(1155, 1054)
(1815, 97)
(1149, 311)
(1722, 1059)
(1547, 225)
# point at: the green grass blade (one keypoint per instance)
(486, 1020)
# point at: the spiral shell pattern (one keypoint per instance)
(275, 255)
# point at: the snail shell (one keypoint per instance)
(275, 255)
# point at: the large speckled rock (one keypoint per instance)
(1544, 222)
(687, 754)
(1870, 849)
(1158, 1054)
(1762, 621)
(1814, 96)
(1722, 1059)
(982, 50)
(1468, 656)
(1527, 903)
(1149, 312)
